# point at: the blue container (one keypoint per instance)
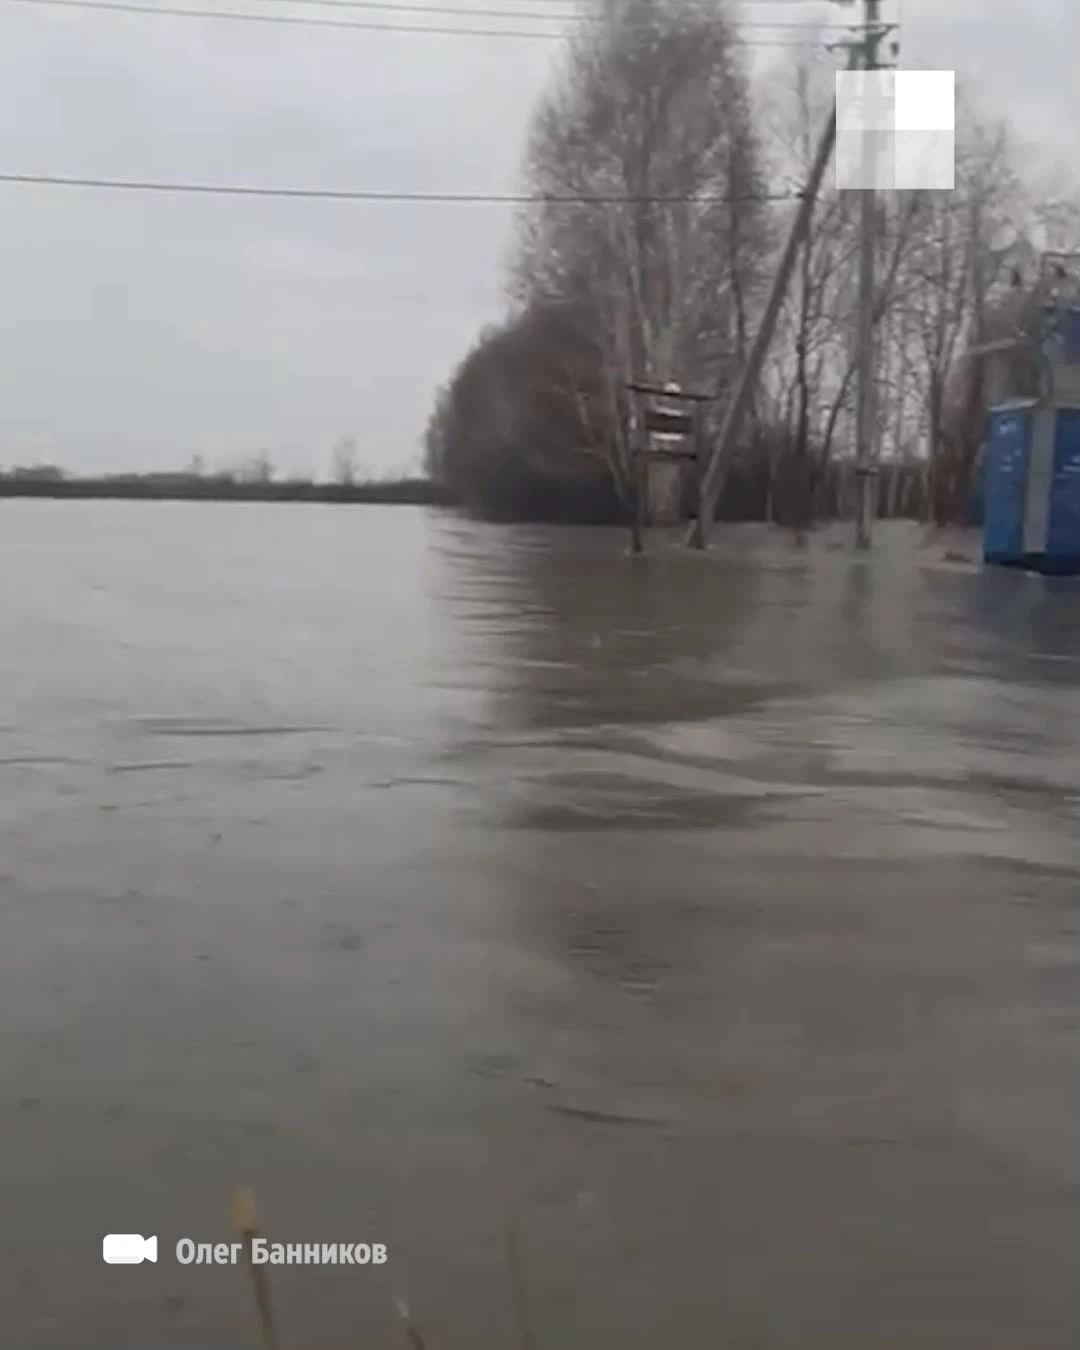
(1032, 488)
(1063, 524)
(1062, 344)
(1070, 335)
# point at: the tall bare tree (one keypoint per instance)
(809, 379)
(954, 274)
(652, 106)
(344, 462)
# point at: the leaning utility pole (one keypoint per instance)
(865, 411)
(698, 534)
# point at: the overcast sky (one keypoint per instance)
(138, 330)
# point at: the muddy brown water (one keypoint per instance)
(712, 924)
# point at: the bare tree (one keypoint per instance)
(651, 106)
(810, 342)
(344, 462)
(258, 469)
(809, 378)
(952, 276)
(517, 430)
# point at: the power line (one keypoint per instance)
(371, 195)
(304, 21)
(701, 6)
(551, 15)
(571, 12)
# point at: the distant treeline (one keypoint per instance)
(752, 492)
(45, 481)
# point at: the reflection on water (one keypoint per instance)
(714, 916)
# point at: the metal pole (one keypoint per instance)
(637, 458)
(697, 536)
(865, 418)
(641, 489)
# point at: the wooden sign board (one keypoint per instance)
(662, 422)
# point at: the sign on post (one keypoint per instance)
(660, 422)
(667, 423)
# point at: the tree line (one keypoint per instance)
(182, 487)
(252, 479)
(654, 164)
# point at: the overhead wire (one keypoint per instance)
(315, 21)
(154, 186)
(374, 195)
(546, 13)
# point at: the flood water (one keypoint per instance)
(697, 938)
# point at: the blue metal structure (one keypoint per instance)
(1063, 523)
(1005, 481)
(1031, 487)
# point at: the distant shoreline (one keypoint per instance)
(189, 488)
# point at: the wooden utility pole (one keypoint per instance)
(866, 369)
(698, 534)
(637, 481)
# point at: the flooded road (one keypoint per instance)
(705, 931)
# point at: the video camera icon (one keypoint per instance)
(128, 1249)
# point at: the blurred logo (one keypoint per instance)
(895, 130)
(128, 1249)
